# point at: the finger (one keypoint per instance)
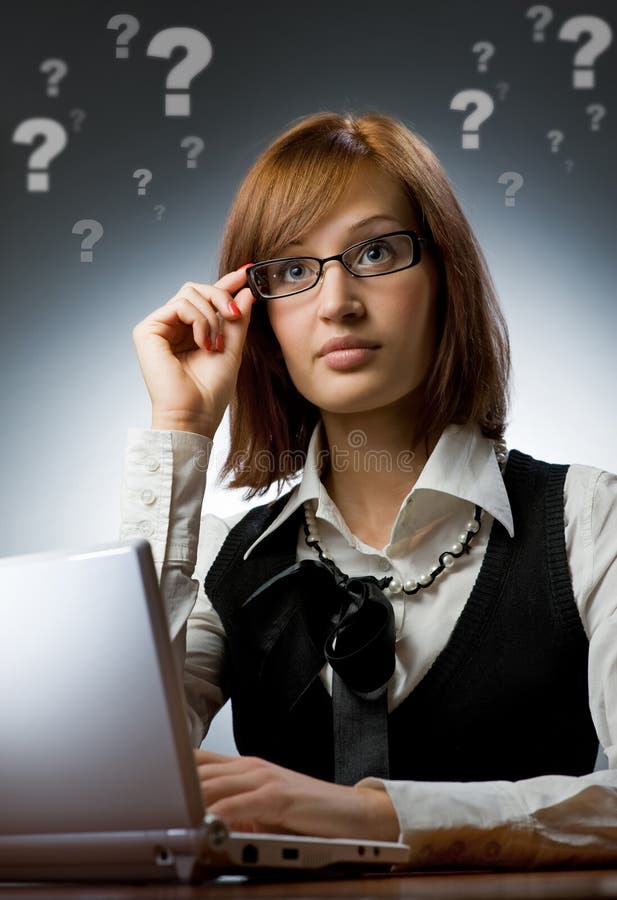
(178, 311)
(217, 307)
(236, 283)
(231, 281)
(209, 300)
(224, 293)
(223, 786)
(203, 323)
(252, 806)
(211, 770)
(206, 756)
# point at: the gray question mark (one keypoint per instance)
(54, 143)
(484, 106)
(95, 233)
(146, 177)
(58, 69)
(197, 146)
(515, 181)
(131, 27)
(597, 113)
(543, 15)
(484, 50)
(556, 138)
(78, 116)
(601, 38)
(198, 55)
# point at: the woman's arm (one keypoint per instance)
(189, 351)
(547, 821)
(163, 484)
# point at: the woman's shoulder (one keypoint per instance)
(580, 477)
(589, 495)
(215, 528)
(212, 534)
(591, 491)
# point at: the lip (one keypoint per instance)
(347, 342)
(350, 358)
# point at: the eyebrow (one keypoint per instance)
(357, 226)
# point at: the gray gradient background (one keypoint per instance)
(71, 383)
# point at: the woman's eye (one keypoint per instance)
(293, 272)
(375, 253)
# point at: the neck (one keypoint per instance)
(374, 459)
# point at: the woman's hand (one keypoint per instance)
(189, 361)
(252, 794)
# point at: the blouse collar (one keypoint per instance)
(462, 465)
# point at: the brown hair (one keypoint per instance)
(294, 182)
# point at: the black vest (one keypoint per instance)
(507, 697)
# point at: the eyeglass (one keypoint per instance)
(291, 275)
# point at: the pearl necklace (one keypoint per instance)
(392, 585)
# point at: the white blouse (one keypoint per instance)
(547, 820)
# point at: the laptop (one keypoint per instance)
(97, 778)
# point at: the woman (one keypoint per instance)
(419, 637)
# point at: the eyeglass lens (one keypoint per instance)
(378, 256)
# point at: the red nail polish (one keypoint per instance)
(208, 344)
(233, 307)
(219, 342)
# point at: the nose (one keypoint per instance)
(338, 293)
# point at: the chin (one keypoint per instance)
(353, 404)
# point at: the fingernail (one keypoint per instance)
(208, 344)
(234, 308)
(219, 342)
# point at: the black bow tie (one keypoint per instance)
(356, 616)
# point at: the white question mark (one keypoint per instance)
(601, 38)
(198, 55)
(597, 113)
(95, 233)
(131, 27)
(555, 137)
(484, 107)
(543, 15)
(569, 164)
(502, 89)
(145, 176)
(515, 181)
(57, 69)
(484, 51)
(197, 146)
(54, 143)
(159, 210)
(78, 116)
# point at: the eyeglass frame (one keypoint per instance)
(416, 241)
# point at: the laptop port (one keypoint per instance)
(250, 854)
(290, 853)
(162, 856)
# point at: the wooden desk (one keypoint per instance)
(574, 885)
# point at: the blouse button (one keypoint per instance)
(146, 528)
(148, 496)
(151, 463)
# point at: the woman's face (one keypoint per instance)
(396, 313)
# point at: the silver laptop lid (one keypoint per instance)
(92, 728)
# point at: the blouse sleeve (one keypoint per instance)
(549, 820)
(163, 484)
